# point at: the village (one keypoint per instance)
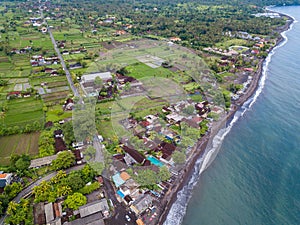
(142, 136)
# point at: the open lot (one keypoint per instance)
(23, 111)
(19, 144)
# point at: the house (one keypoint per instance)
(75, 51)
(139, 222)
(174, 39)
(49, 212)
(69, 103)
(78, 155)
(248, 69)
(60, 145)
(202, 107)
(91, 77)
(94, 207)
(190, 123)
(34, 63)
(174, 118)
(15, 94)
(75, 66)
(120, 32)
(167, 149)
(65, 52)
(118, 181)
(124, 79)
(39, 213)
(141, 204)
(255, 51)
(45, 161)
(133, 156)
(58, 133)
(5, 179)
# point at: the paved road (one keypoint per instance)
(120, 210)
(27, 191)
(63, 64)
(98, 146)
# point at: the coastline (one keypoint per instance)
(185, 175)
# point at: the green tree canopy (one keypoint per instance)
(18, 213)
(178, 157)
(75, 200)
(75, 181)
(12, 190)
(164, 174)
(64, 160)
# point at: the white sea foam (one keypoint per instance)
(179, 207)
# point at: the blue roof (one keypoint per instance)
(120, 193)
(118, 180)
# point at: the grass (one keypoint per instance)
(232, 42)
(19, 144)
(141, 70)
(23, 111)
(55, 113)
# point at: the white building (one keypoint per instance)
(91, 77)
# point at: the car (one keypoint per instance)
(127, 218)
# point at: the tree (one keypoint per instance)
(127, 86)
(98, 167)
(18, 213)
(64, 160)
(89, 153)
(84, 120)
(75, 201)
(23, 163)
(41, 192)
(164, 174)
(19, 163)
(75, 180)
(178, 157)
(87, 173)
(189, 110)
(98, 82)
(12, 190)
(146, 177)
(67, 129)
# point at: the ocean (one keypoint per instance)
(255, 177)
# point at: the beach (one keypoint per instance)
(206, 141)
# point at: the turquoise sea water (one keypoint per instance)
(255, 179)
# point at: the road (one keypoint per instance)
(120, 210)
(98, 146)
(63, 64)
(27, 191)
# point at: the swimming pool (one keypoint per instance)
(155, 161)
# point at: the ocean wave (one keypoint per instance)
(178, 209)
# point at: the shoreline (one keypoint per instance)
(185, 175)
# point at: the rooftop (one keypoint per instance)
(91, 77)
(93, 207)
(42, 161)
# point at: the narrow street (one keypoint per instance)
(27, 191)
(63, 64)
(120, 210)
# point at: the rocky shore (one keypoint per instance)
(205, 142)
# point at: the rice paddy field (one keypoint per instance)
(19, 144)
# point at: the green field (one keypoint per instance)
(19, 144)
(55, 113)
(141, 70)
(23, 111)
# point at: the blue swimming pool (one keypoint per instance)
(155, 161)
